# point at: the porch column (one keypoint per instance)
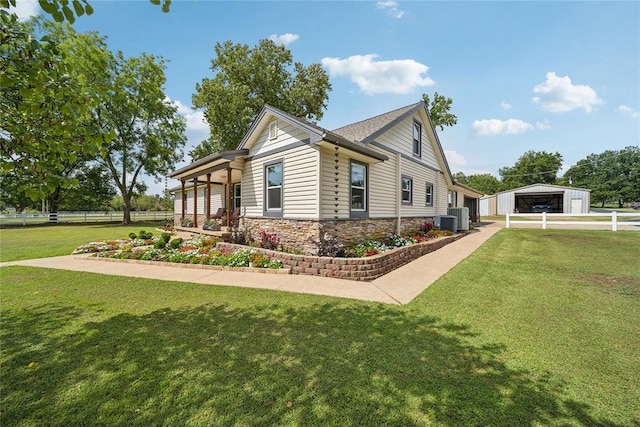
(229, 199)
(195, 202)
(208, 205)
(184, 200)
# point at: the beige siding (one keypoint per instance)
(383, 188)
(299, 183)
(420, 176)
(400, 139)
(177, 203)
(384, 183)
(217, 194)
(441, 195)
(328, 183)
(287, 134)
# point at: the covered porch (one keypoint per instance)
(215, 182)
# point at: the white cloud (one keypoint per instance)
(195, 118)
(25, 9)
(500, 127)
(628, 110)
(543, 125)
(400, 76)
(284, 39)
(559, 95)
(391, 7)
(505, 105)
(456, 160)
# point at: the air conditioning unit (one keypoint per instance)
(448, 222)
(463, 217)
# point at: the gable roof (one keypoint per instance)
(316, 133)
(367, 130)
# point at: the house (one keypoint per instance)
(305, 183)
(537, 198)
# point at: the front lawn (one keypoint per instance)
(537, 327)
(18, 243)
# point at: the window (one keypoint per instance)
(237, 193)
(417, 139)
(273, 130)
(358, 185)
(407, 190)
(429, 195)
(273, 188)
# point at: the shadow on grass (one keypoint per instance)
(213, 365)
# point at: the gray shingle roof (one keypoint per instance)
(367, 129)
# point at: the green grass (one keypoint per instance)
(537, 327)
(53, 240)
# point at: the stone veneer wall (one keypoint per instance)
(306, 234)
(362, 269)
(201, 218)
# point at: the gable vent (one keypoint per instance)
(273, 130)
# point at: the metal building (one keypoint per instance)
(537, 198)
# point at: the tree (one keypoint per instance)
(612, 176)
(60, 10)
(44, 107)
(485, 182)
(93, 193)
(248, 78)
(149, 132)
(439, 110)
(532, 168)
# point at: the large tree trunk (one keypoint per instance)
(126, 214)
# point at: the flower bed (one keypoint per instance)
(364, 268)
(197, 250)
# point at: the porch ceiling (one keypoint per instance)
(211, 164)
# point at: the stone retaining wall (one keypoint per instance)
(307, 234)
(363, 269)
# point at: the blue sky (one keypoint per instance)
(543, 76)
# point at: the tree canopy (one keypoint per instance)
(485, 182)
(439, 110)
(45, 105)
(532, 167)
(612, 176)
(60, 10)
(245, 79)
(148, 131)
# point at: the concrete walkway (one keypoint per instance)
(398, 287)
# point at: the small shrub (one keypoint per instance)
(288, 250)
(240, 237)
(175, 243)
(329, 245)
(269, 241)
(165, 237)
(160, 244)
(144, 235)
(275, 264)
(133, 235)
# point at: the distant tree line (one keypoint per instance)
(612, 176)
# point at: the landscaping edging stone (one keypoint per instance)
(362, 269)
(195, 266)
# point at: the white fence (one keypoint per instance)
(612, 220)
(80, 217)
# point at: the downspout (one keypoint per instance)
(398, 193)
